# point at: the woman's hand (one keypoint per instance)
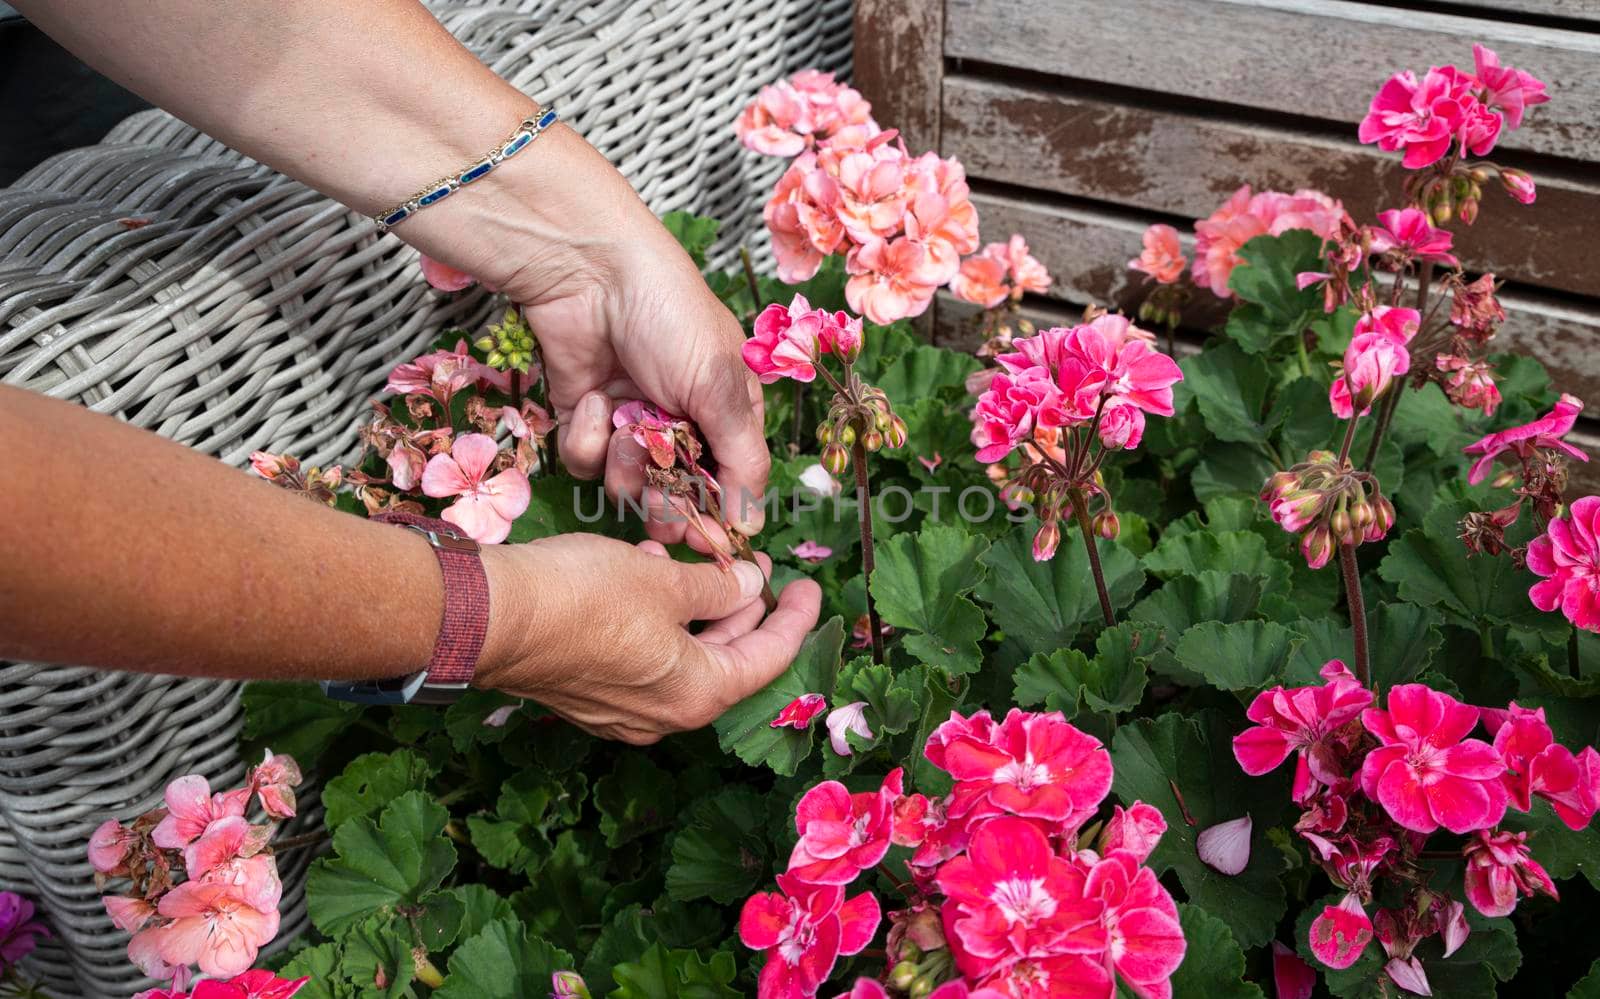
(597, 631)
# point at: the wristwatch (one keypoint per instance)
(461, 630)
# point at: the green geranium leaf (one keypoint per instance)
(1068, 681)
(746, 729)
(1304, 416)
(1213, 964)
(676, 974)
(1187, 600)
(920, 585)
(1042, 605)
(636, 798)
(506, 844)
(893, 700)
(321, 965)
(627, 935)
(939, 698)
(923, 372)
(1564, 852)
(502, 961)
(464, 720)
(378, 866)
(1489, 956)
(456, 913)
(694, 233)
(722, 852)
(379, 949)
(1267, 277)
(1402, 639)
(1589, 986)
(1241, 656)
(1223, 551)
(553, 508)
(294, 718)
(1229, 471)
(372, 781)
(1195, 755)
(1231, 389)
(1424, 416)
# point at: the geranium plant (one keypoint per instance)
(1305, 707)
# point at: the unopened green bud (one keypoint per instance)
(903, 975)
(872, 440)
(836, 458)
(847, 435)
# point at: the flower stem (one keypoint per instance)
(858, 457)
(296, 842)
(750, 279)
(1424, 281)
(1349, 438)
(1358, 611)
(1080, 509)
(1300, 349)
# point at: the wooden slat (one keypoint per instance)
(898, 61)
(1186, 164)
(1087, 251)
(1321, 58)
(1577, 10)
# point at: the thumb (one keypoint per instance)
(709, 592)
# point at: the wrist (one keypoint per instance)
(505, 645)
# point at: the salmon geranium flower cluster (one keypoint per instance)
(1380, 786)
(1004, 895)
(202, 881)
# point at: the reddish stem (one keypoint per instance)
(1358, 610)
(858, 457)
(1081, 510)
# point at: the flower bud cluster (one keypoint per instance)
(509, 344)
(863, 415)
(1328, 502)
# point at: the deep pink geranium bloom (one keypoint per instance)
(1312, 722)
(212, 927)
(1371, 364)
(1144, 941)
(1292, 978)
(1408, 233)
(1398, 323)
(257, 984)
(1011, 409)
(1010, 898)
(1065, 976)
(1133, 372)
(1341, 933)
(1520, 442)
(1421, 118)
(800, 712)
(487, 504)
(1537, 765)
(1500, 871)
(191, 807)
(1035, 765)
(1567, 555)
(784, 342)
(1509, 91)
(18, 929)
(1135, 831)
(1162, 258)
(804, 929)
(842, 834)
(1426, 774)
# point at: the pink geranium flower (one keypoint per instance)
(109, 845)
(1145, 942)
(804, 929)
(1313, 722)
(1245, 216)
(257, 984)
(1033, 764)
(1520, 442)
(842, 834)
(273, 781)
(874, 196)
(128, 914)
(1371, 363)
(191, 807)
(487, 504)
(1500, 871)
(443, 276)
(1010, 410)
(1470, 384)
(1408, 235)
(800, 712)
(1508, 91)
(810, 551)
(1341, 933)
(1162, 258)
(1422, 118)
(1425, 773)
(802, 216)
(891, 280)
(443, 373)
(1135, 831)
(983, 279)
(1010, 898)
(212, 927)
(1292, 978)
(1027, 273)
(1567, 555)
(1130, 372)
(784, 342)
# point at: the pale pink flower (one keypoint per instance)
(212, 927)
(1567, 555)
(1509, 91)
(1425, 773)
(191, 807)
(1500, 871)
(767, 124)
(982, 279)
(1408, 234)
(222, 841)
(254, 879)
(1121, 426)
(1341, 933)
(270, 466)
(810, 551)
(1144, 941)
(1292, 978)
(1034, 764)
(1520, 442)
(128, 914)
(1471, 384)
(1135, 831)
(850, 717)
(1453, 928)
(783, 343)
(487, 504)
(942, 214)
(1408, 973)
(406, 462)
(443, 276)
(443, 373)
(818, 481)
(1027, 273)
(804, 929)
(800, 712)
(652, 428)
(1225, 847)
(1245, 216)
(873, 195)
(1519, 185)
(802, 216)
(1313, 722)
(931, 464)
(109, 845)
(501, 715)
(1162, 258)
(891, 280)
(274, 781)
(842, 834)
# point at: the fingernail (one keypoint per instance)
(596, 408)
(750, 579)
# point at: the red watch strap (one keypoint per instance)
(466, 598)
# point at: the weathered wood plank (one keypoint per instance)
(1580, 10)
(1186, 164)
(1321, 58)
(1087, 253)
(899, 58)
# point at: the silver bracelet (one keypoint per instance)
(525, 133)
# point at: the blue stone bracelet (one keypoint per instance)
(525, 133)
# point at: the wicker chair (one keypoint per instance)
(242, 311)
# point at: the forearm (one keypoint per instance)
(122, 549)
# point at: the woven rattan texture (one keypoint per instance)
(165, 279)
